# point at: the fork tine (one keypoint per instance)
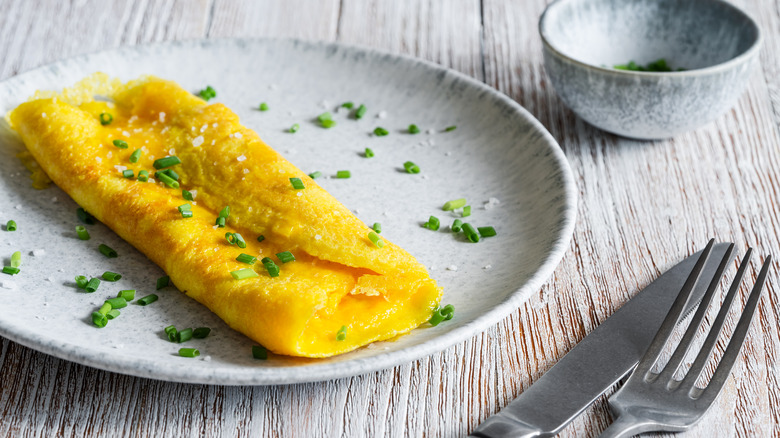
(737, 339)
(667, 327)
(712, 337)
(685, 343)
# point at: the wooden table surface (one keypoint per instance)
(642, 207)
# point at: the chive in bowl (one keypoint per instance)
(709, 48)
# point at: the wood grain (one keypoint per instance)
(642, 206)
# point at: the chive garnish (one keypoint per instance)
(207, 93)
(186, 195)
(241, 274)
(297, 184)
(470, 233)
(106, 118)
(456, 226)
(413, 129)
(486, 231)
(360, 112)
(263, 106)
(149, 299)
(92, 285)
(377, 227)
(105, 308)
(285, 257)
(450, 128)
(375, 239)
(442, 314)
(235, 239)
(220, 222)
(189, 352)
(327, 124)
(455, 203)
(143, 175)
(127, 173)
(10, 270)
(99, 319)
(347, 105)
(111, 276)
(225, 212)
(10, 225)
(135, 156)
(16, 259)
(113, 313)
(411, 167)
(368, 153)
(82, 232)
(294, 128)
(315, 175)
(162, 163)
(167, 180)
(107, 251)
(343, 174)
(171, 332)
(85, 217)
(466, 211)
(432, 224)
(342, 333)
(163, 282)
(121, 144)
(81, 281)
(259, 352)
(184, 207)
(326, 120)
(270, 266)
(117, 303)
(380, 131)
(169, 172)
(246, 258)
(184, 335)
(201, 332)
(260, 238)
(127, 294)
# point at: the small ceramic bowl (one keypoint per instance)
(713, 41)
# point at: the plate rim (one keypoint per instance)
(352, 367)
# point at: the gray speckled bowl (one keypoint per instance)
(715, 42)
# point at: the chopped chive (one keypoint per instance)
(411, 167)
(413, 129)
(149, 299)
(117, 303)
(360, 112)
(99, 319)
(16, 259)
(343, 174)
(375, 239)
(128, 173)
(442, 314)
(225, 212)
(260, 238)
(285, 257)
(235, 239)
(10, 270)
(10, 225)
(377, 227)
(85, 217)
(111, 276)
(82, 232)
(486, 231)
(121, 144)
(189, 352)
(113, 313)
(143, 175)
(246, 258)
(163, 281)
(184, 335)
(270, 266)
(81, 281)
(347, 105)
(201, 332)
(259, 352)
(294, 128)
(107, 251)
(450, 128)
(92, 285)
(207, 93)
(327, 124)
(315, 175)
(171, 332)
(106, 118)
(169, 172)
(263, 106)
(220, 222)
(455, 203)
(241, 274)
(127, 294)
(105, 308)
(297, 184)
(368, 153)
(456, 226)
(187, 195)
(342, 333)
(432, 224)
(380, 131)
(135, 155)
(184, 207)
(167, 180)
(470, 233)
(325, 116)
(466, 211)
(162, 163)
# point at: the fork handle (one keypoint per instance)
(627, 425)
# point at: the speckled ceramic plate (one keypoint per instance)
(498, 151)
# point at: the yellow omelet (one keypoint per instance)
(341, 292)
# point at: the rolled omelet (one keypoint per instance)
(341, 292)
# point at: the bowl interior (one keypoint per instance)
(689, 34)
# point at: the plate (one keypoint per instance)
(499, 158)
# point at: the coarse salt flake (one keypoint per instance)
(43, 115)
(38, 253)
(171, 151)
(238, 135)
(120, 168)
(317, 237)
(382, 115)
(162, 117)
(194, 193)
(109, 154)
(98, 159)
(203, 128)
(487, 267)
(6, 284)
(18, 206)
(241, 157)
(126, 134)
(430, 131)
(299, 194)
(54, 199)
(246, 170)
(452, 268)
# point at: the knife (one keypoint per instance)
(604, 357)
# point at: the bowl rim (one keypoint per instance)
(743, 57)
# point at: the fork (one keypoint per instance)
(652, 401)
